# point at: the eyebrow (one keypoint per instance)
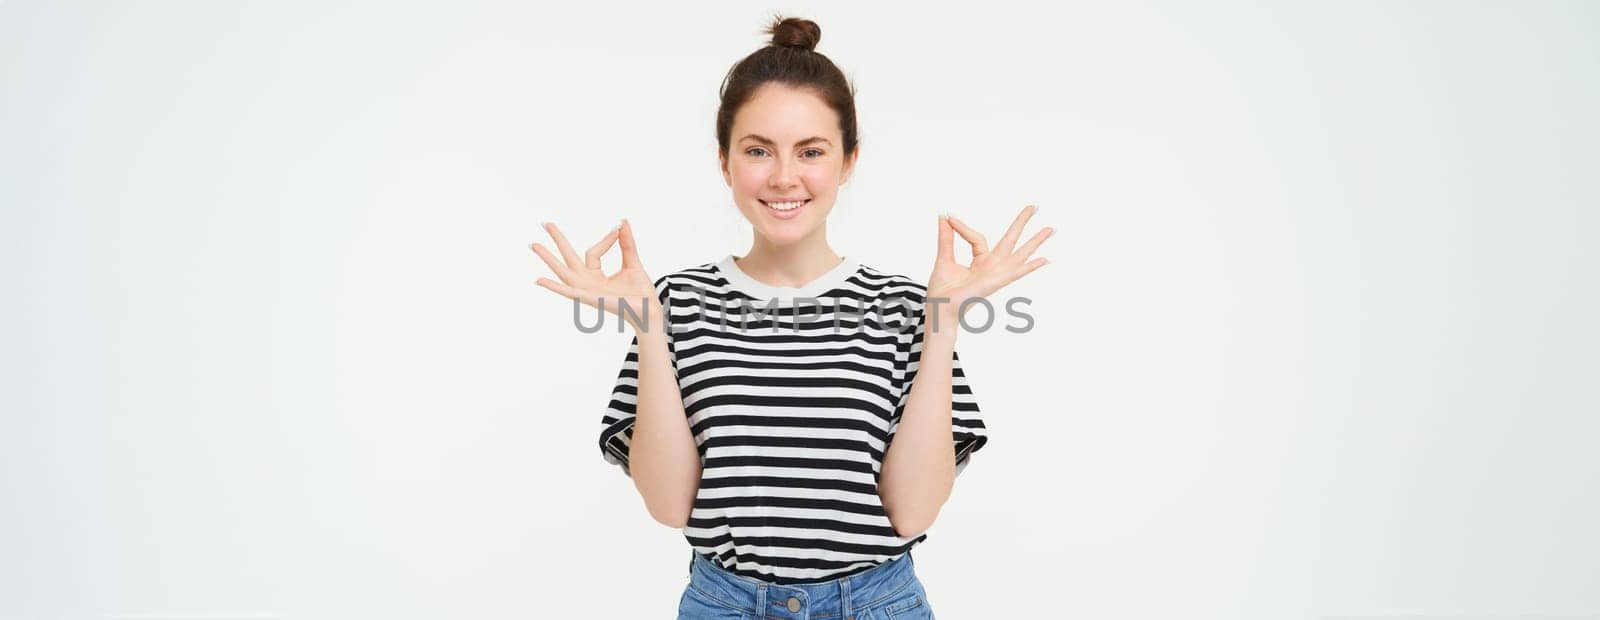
(769, 142)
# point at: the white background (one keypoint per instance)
(1317, 338)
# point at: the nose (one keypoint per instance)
(784, 175)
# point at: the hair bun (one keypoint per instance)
(795, 32)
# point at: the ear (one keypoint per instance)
(849, 166)
(722, 163)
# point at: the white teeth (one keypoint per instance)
(786, 206)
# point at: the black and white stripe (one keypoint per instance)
(791, 415)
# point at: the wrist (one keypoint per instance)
(652, 321)
(943, 324)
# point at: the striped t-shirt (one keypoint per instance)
(792, 413)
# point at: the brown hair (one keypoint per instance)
(791, 59)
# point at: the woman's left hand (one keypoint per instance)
(991, 269)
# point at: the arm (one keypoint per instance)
(664, 461)
(919, 469)
(661, 457)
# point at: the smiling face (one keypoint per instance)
(785, 151)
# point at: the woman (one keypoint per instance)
(801, 416)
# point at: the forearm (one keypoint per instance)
(919, 468)
(663, 459)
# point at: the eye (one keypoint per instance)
(818, 152)
(751, 151)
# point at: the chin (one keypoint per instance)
(786, 235)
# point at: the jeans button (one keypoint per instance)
(794, 604)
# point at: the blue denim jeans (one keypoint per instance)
(888, 591)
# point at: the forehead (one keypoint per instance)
(786, 114)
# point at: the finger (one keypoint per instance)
(559, 288)
(1015, 231)
(561, 244)
(973, 237)
(561, 271)
(1028, 268)
(947, 241)
(591, 259)
(1028, 248)
(630, 252)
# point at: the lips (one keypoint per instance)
(786, 214)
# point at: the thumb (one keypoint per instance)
(946, 241)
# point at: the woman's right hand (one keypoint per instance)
(583, 280)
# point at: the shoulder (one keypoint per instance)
(885, 285)
(702, 274)
(897, 298)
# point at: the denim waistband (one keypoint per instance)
(837, 598)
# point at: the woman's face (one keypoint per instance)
(785, 148)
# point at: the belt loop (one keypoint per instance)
(761, 600)
(844, 599)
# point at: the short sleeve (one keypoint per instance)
(966, 423)
(616, 424)
(967, 432)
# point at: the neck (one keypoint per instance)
(789, 265)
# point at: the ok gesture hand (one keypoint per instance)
(583, 280)
(991, 269)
